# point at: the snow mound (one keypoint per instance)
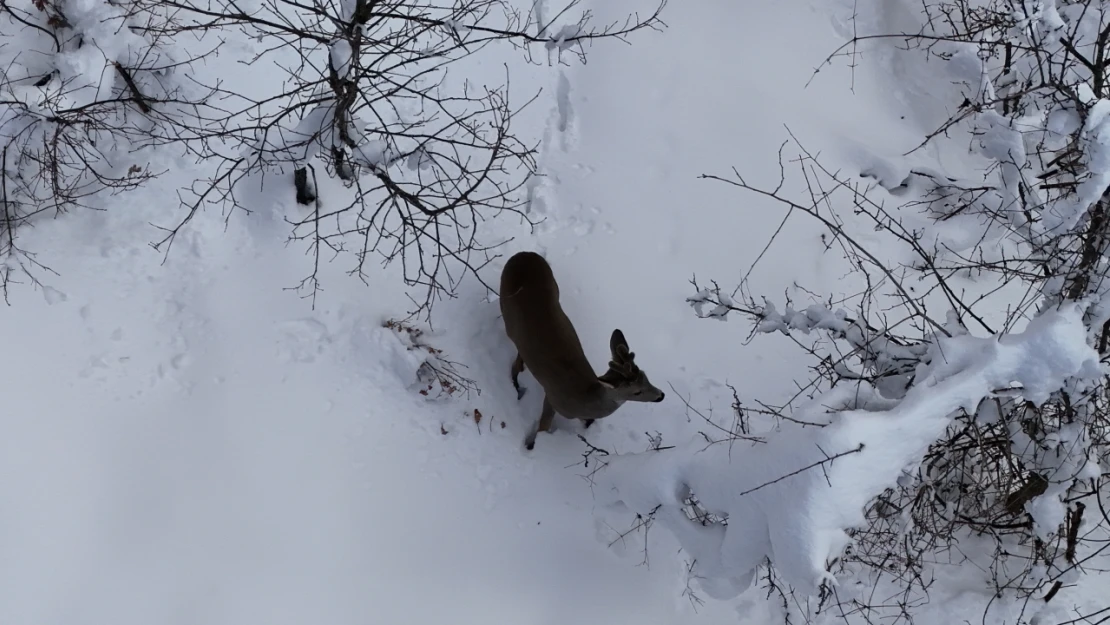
(791, 498)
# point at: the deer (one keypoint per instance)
(548, 346)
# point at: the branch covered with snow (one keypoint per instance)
(88, 87)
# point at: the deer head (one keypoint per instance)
(624, 380)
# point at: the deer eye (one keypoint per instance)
(638, 393)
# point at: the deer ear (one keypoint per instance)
(617, 344)
(606, 384)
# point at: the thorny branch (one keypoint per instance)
(427, 157)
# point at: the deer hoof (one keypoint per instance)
(529, 444)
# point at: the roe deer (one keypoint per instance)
(548, 346)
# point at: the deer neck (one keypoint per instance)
(592, 402)
(602, 400)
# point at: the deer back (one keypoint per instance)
(541, 331)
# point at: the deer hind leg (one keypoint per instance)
(547, 415)
(589, 422)
(518, 368)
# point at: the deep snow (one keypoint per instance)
(191, 443)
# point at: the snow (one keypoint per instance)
(341, 57)
(194, 442)
(565, 38)
(1096, 137)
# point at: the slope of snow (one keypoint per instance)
(188, 445)
(191, 443)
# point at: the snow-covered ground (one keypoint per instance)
(192, 443)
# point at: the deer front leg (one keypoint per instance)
(547, 415)
(518, 368)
